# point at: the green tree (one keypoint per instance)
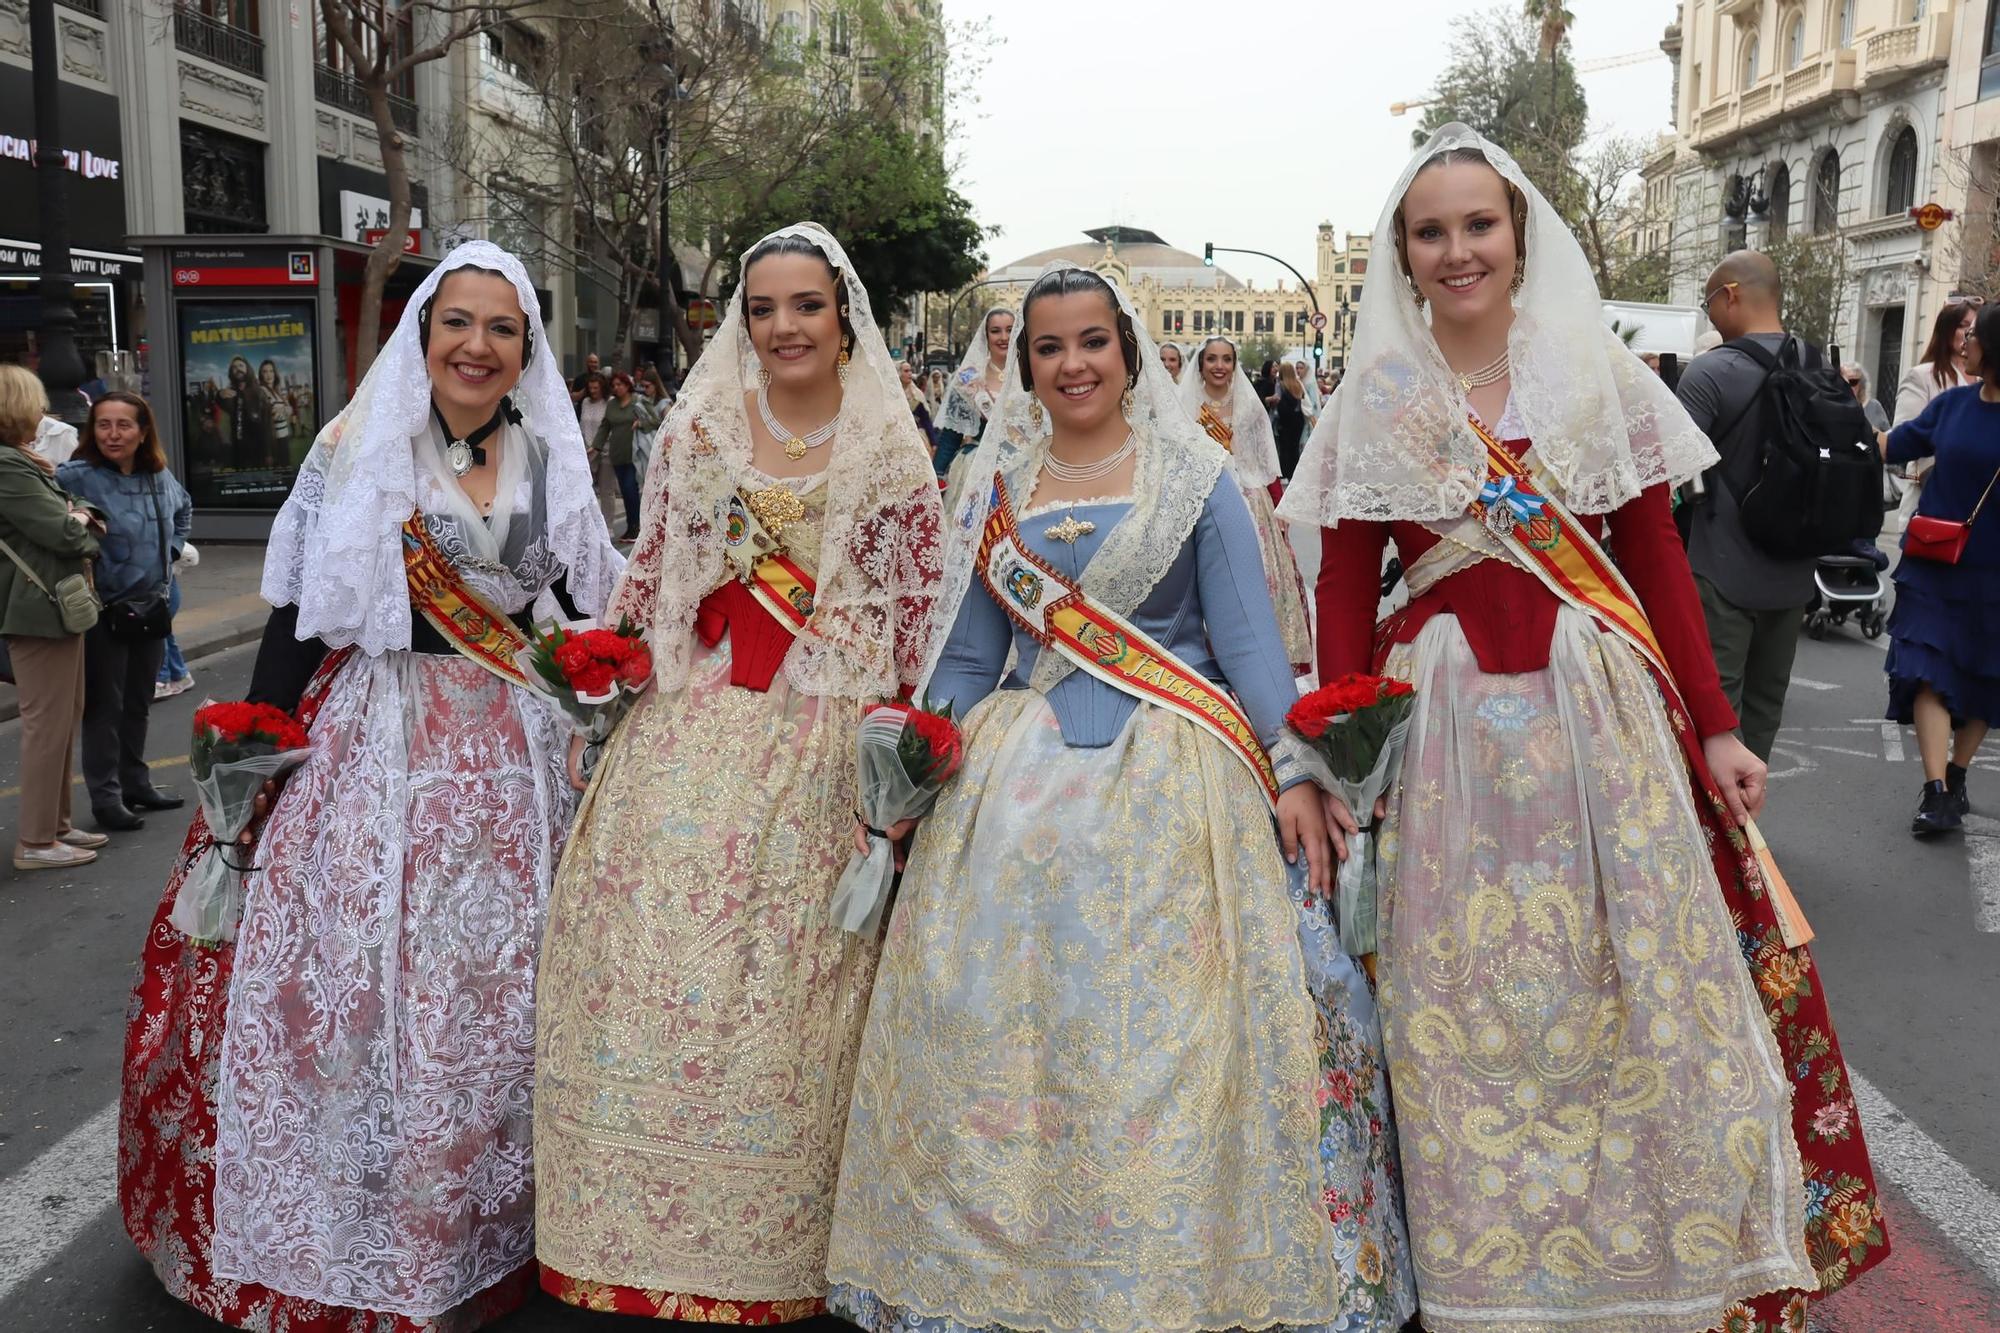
(1499, 83)
(1813, 274)
(890, 201)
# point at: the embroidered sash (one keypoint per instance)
(1061, 617)
(782, 583)
(1541, 534)
(468, 623)
(1218, 430)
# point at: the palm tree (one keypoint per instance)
(1556, 21)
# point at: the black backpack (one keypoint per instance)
(1816, 483)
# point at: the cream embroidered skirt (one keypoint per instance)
(699, 1013)
(1596, 1130)
(1090, 1095)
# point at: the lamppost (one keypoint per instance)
(1208, 250)
(61, 364)
(671, 92)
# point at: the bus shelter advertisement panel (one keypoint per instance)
(249, 399)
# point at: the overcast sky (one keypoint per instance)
(1242, 122)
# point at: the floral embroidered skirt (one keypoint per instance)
(700, 1012)
(1595, 1119)
(1281, 572)
(1090, 1093)
(369, 1033)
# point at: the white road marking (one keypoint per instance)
(1800, 682)
(1892, 742)
(1842, 749)
(44, 1205)
(1958, 1203)
(1982, 852)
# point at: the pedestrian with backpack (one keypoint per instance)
(1944, 635)
(1799, 477)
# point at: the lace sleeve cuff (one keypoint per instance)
(1294, 762)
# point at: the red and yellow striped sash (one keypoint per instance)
(468, 623)
(1060, 616)
(1218, 430)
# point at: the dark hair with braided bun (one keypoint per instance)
(796, 245)
(1071, 282)
(424, 313)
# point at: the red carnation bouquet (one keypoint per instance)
(1359, 725)
(592, 673)
(237, 748)
(905, 754)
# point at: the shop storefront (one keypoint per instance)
(110, 313)
(260, 354)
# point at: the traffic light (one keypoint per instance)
(1319, 347)
(1208, 253)
(1177, 322)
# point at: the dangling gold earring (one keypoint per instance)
(1035, 413)
(1520, 276)
(1416, 293)
(763, 378)
(1125, 399)
(840, 364)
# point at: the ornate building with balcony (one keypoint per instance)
(1812, 117)
(1968, 247)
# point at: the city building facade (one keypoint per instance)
(1182, 298)
(1812, 118)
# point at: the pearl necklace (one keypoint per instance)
(795, 445)
(1097, 471)
(1491, 373)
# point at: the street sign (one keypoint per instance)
(1318, 321)
(702, 315)
(1931, 216)
(374, 235)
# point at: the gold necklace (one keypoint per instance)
(1491, 373)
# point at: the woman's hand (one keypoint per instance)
(267, 796)
(1340, 820)
(576, 778)
(897, 832)
(1738, 772)
(1302, 827)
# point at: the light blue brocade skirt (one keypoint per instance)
(1102, 1085)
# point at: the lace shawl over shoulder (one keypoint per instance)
(336, 550)
(874, 617)
(1394, 442)
(1253, 452)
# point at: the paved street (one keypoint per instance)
(1909, 940)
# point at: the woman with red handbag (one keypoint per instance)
(1944, 635)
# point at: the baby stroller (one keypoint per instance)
(1849, 584)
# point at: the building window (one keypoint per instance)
(1750, 60)
(375, 18)
(1288, 322)
(518, 224)
(1781, 200)
(222, 181)
(1846, 24)
(1989, 69)
(224, 31)
(1917, 8)
(1900, 186)
(1795, 42)
(1826, 194)
(1360, 266)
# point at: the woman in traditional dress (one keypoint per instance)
(969, 400)
(325, 1125)
(700, 1008)
(1602, 1128)
(1225, 404)
(1173, 359)
(1091, 1094)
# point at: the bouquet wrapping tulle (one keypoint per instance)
(1359, 725)
(592, 673)
(237, 748)
(905, 754)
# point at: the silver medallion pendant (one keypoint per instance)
(1500, 520)
(459, 455)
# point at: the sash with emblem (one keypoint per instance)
(1218, 430)
(752, 527)
(467, 621)
(1062, 618)
(1544, 537)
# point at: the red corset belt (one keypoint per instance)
(757, 642)
(1507, 615)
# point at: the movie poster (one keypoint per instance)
(249, 398)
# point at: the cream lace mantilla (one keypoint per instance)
(1394, 442)
(875, 615)
(1253, 452)
(1177, 469)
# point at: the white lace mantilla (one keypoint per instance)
(1394, 442)
(1253, 448)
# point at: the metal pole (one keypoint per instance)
(664, 355)
(1311, 295)
(61, 364)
